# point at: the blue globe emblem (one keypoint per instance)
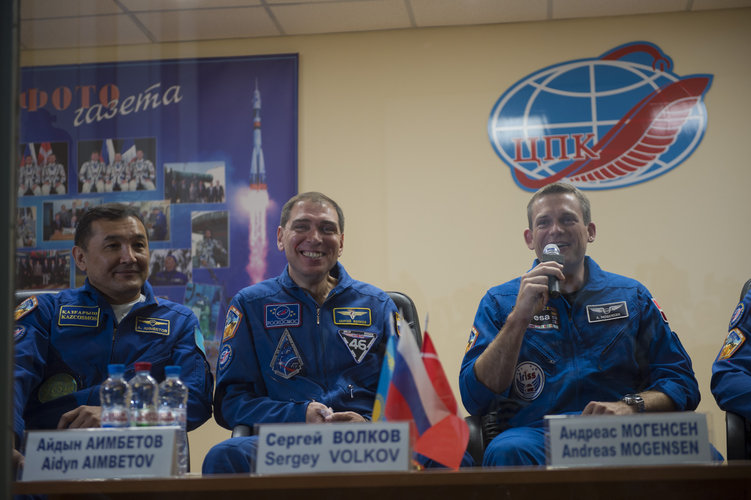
(601, 123)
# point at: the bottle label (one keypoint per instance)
(144, 417)
(114, 417)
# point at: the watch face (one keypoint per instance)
(634, 400)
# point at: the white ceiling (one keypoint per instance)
(47, 24)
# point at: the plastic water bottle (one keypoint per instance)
(143, 396)
(114, 396)
(173, 410)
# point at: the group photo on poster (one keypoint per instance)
(186, 152)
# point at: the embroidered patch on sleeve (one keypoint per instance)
(737, 315)
(158, 326)
(19, 332)
(352, 316)
(662, 313)
(733, 342)
(84, 316)
(25, 307)
(231, 323)
(225, 356)
(472, 339)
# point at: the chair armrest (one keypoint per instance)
(476, 444)
(735, 427)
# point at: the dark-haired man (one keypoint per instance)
(65, 341)
(602, 347)
(306, 346)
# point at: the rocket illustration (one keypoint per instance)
(257, 164)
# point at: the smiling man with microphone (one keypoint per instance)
(568, 338)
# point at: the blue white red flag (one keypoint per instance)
(420, 392)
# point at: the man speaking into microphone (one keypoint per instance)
(568, 338)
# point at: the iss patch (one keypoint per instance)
(529, 380)
(231, 323)
(607, 312)
(358, 343)
(352, 316)
(282, 315)
(25, 307)
(286, 361)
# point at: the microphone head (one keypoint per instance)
(551, 249)
(551, 252)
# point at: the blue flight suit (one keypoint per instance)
(608, 339)
(65, 341)
(281, 350)
(731, 371)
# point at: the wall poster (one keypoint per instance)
(205, 148)
(607, 122)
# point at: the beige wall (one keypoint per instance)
(393, 126)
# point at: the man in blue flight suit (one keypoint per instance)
(305, 346)
(731, 371)
(602, 347)
(65, 341)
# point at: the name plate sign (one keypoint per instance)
(99, 453)
(310, 448)
(644, 439)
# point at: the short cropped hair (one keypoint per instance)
(108, 211)
(315, 197)
(561, 188)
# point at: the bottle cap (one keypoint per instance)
(143, 366)
(116, 369)
(172, 371)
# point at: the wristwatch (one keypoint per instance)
(634, 400)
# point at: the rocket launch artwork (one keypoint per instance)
(258, 199)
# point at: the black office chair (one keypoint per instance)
(738, 428)
(483, 428)
(407, 310)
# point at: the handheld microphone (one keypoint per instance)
(551, 252)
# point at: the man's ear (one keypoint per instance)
(79, 257)
(279, 243)
(528, 239)
(591, 231)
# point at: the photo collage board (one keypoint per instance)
(206, 149)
